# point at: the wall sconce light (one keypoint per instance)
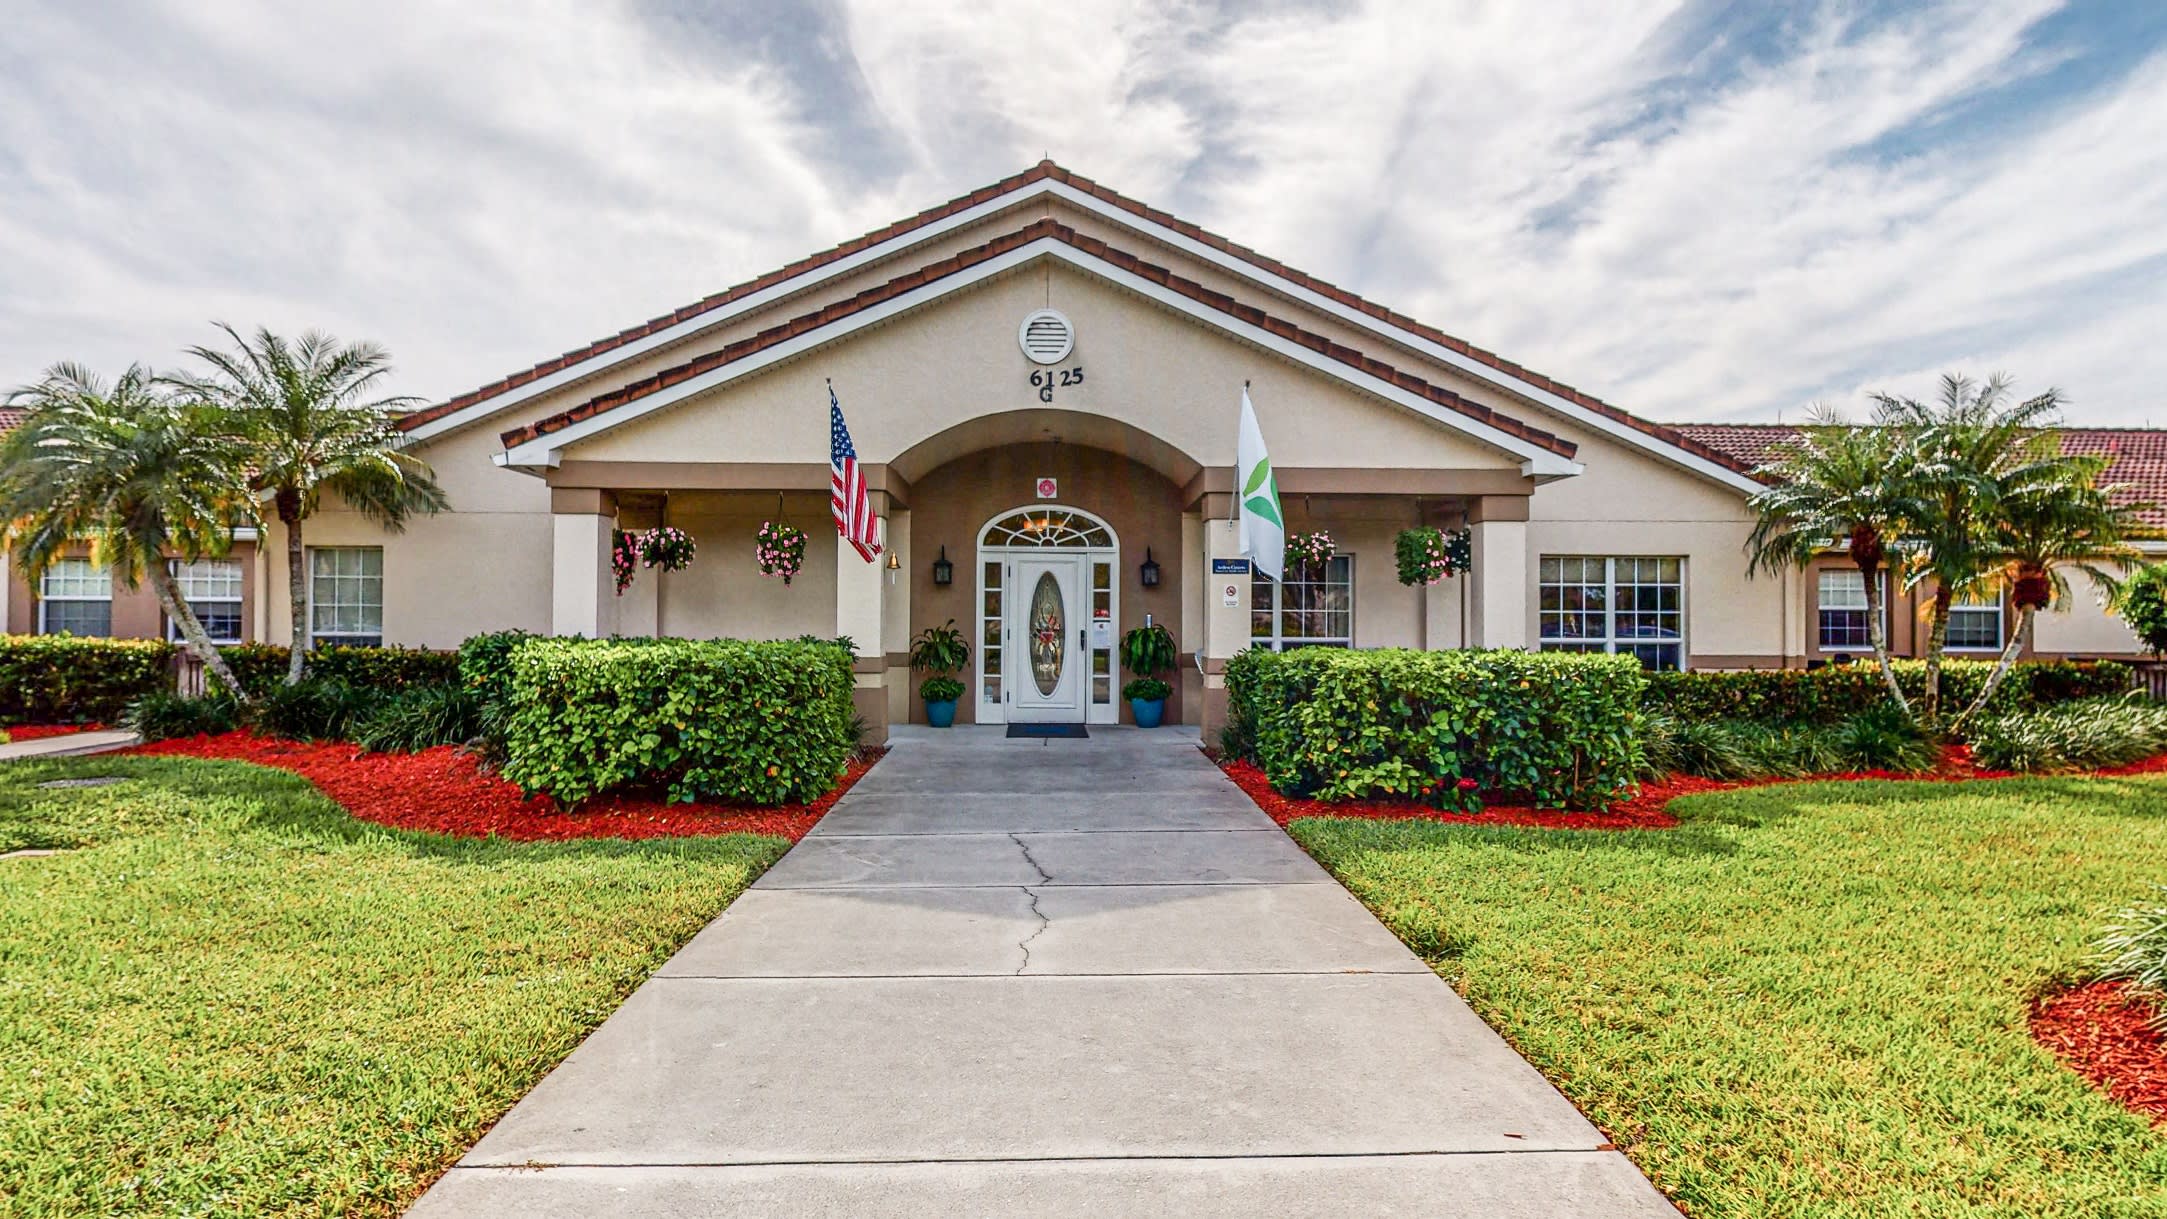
(1149, 572)
(944, 572)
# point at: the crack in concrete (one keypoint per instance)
(1044, 877)
(1043, 924)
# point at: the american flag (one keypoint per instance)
(846, 487)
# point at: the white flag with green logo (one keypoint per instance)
(1264, 530)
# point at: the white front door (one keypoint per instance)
(1049, 648)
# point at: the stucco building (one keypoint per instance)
(1042, 379)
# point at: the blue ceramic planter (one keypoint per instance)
(941, 714)
(1148, 711)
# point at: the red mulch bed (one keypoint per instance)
(2104, 1033)
(445, 791)
(1645, 811)
(38, 732)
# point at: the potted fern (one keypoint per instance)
(941, 651)
(1147, 652)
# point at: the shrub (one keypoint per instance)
(262, 666)
(2074, 736)
(1880, 739)
(940, 689)
(1149, 689)
(59, 679)
(485, 661)
(1439, 726)
(164, 715)
(315, 709)
(751, 722)
(1834, 693)
(2133, 948)
(421, 717)
(1148, 651)
(2143, 605)
(1883, 738)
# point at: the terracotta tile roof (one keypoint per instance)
(11, 417)
(1048, 170)
(1035, 231)
(2137, 456)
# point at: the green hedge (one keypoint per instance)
(260, 666)
(59, 679)
(1556, 729)
(754, 723)
(1834, 693)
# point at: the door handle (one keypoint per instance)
(1083, 639)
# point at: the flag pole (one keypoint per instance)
(1234, 501)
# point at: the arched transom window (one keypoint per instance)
(1049, 527)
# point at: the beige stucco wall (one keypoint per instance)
(1628, 503)
(2083, 627)
(958, 359)
(723, 593)
(482, 566)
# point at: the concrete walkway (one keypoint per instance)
(1057, 977)
(70, 745)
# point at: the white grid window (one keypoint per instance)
(1311, 608)
(1633, 606)
(346, 596)
(212, 588)
(1975, 623)
(1841, 604)
(75, 597)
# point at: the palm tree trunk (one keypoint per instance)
(1937, 639)
(168, 592)
(2001, 669)
(1876, 635)
(289, 515)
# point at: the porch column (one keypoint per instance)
(583, 595)
(1226, 619)
(1497, 612)
(860, 612)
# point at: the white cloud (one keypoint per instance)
(1691, 229)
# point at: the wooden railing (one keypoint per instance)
(2152, 678)
(188, 677)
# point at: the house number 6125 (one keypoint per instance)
(1044, 380)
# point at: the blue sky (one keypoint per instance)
(1698, 211)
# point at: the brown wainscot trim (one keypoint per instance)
(1739, 662)
(721, 476)
(1365, 480)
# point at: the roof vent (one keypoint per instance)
(1046, 336)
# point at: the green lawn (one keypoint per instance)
(1806, 1000)
(231, 998)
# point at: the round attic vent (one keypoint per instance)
(1046, 336)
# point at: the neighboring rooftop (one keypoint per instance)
(2137, 457)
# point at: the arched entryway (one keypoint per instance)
(1048, 608)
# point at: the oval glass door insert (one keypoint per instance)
(1049, 634)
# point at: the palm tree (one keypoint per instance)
(2055, 517)
(133, 473)
(1837, 481)
(310, 427)
(1974, 447)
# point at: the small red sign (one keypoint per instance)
(1048, 489)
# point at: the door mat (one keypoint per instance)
(1053, 730)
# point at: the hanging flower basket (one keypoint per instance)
(666, 547)
(780, 550)
(624, 558)
(1310, 551)
(1428, 555)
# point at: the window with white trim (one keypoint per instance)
(1307, 609)
(212, 588)
(1975, 622)
(1633, 605)
(1840, 601)
(346, 596)
(75, 597)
